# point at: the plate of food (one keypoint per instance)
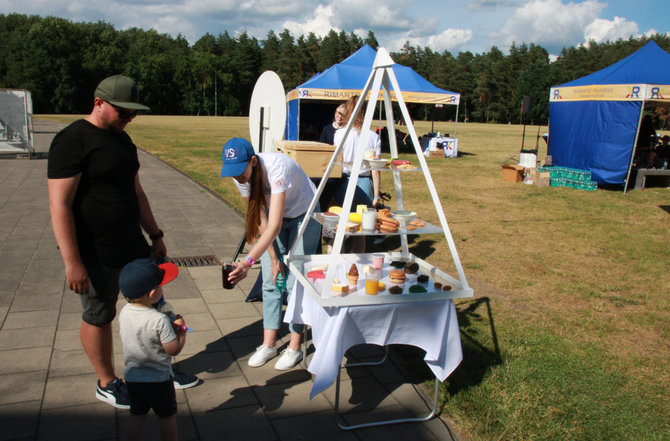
(376, 164)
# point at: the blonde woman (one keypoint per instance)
(368, 184)
(328, 132)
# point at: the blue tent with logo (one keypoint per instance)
(594, 121)
(342, 80)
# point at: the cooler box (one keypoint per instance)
(312, 156)
(447, 146)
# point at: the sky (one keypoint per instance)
(442, 25)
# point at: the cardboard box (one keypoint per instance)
(312, 156)
(512, 173)
(542, 178)
(439, 153)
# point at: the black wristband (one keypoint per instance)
(155, 237)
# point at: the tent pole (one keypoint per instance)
(632, 156)
(456, 119)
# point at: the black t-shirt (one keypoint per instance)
(105, 207)
(327, 134)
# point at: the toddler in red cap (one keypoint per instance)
(149, 341)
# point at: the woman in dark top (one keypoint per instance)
(328, 131)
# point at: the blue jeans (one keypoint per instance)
(363, 193)
(272, 298)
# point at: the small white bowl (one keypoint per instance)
(330, 219)
(375, 164)
(403, 216)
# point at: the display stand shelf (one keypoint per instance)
(349, 165)
(427, 229)
(335, 266)
(321, 292)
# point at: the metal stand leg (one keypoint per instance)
(343, 426)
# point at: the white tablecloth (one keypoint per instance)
(430, 325)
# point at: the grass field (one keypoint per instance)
(567, 337)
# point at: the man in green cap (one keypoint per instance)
(98, 211)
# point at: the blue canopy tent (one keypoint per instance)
(342, 80)
(594, 121)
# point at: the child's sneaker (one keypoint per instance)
(288, 359)
(182, 380)
(115, 393)
(262, 355)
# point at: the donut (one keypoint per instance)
(397, 276)
(395, 290)
(422, 278)
(411, 268)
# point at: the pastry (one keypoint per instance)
(352, 275)
(339, 287)
(437, 285)
(422, 278)
(411, 268)
(368, 269)
(383, 212)
(395, 290)
(446, 288)
(397, 276)
(417, 223)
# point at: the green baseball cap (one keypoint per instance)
(120, 91)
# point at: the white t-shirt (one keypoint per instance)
(349, 148)
(143, 332)
(284, 175)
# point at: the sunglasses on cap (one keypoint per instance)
(124, 113)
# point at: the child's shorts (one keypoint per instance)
(157, 396)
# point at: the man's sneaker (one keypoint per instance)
(115, 393)
(262, 355)
(182, 380)
(288, 359)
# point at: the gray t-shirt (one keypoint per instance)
(143, 332)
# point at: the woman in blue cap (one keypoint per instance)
(278, 193)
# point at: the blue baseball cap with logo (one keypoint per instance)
(235, 155)
(141, 276)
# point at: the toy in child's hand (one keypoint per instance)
(181, 328)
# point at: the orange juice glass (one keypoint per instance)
(372, 286)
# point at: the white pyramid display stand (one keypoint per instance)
(382, 77)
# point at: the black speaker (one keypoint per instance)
(526, 104)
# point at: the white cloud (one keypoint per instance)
(451, 40)
(601, 30)
(320, 23)
(381, 15)
(549, 23)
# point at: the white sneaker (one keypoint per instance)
(262, 355)
(288, 359)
